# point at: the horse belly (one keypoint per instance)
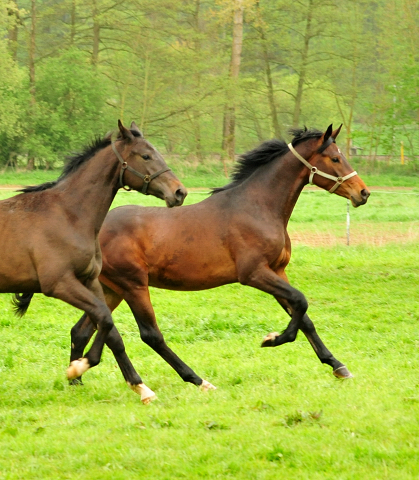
(192, 270)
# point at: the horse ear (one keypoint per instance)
(136, 129)
(336, 132)
(327, 134)
(125, 133)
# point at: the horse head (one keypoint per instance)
(330, 170)
(144, 169)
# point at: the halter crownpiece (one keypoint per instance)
(314, 170)
(146, 178)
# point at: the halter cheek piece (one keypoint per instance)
(314, 170)
(146, 178)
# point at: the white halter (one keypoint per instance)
(314, 170)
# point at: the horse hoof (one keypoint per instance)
(145, 393)
(269, 340)
(76, 381)
(77, 368)
(342, 372)
(205, 386)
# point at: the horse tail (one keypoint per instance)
(21, 303)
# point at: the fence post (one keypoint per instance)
(348, 222)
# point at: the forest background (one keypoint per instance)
(206, 79)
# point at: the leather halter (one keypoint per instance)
(146, 178)
(315, 170)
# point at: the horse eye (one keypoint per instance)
(146, 157)
(335, 160)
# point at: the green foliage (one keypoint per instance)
(166, 66)
(70, 107)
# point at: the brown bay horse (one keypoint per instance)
(238, 234)
(49, 233)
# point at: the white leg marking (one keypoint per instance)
(145, 393)
(271, 336)
(77, 368)
(205, 386)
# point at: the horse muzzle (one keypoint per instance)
(361, 198)
(177, 198)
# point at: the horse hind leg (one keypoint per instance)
(151, 335)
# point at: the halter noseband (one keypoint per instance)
(314, 170)
(146, 178)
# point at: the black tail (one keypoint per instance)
(21, 303)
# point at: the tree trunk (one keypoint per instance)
(32, 88)
(230, 110)
(196, 116)
(96, 34)
(13, 12)
(269, 83)
(73, 23)
(303, 67)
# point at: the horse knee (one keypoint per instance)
(153, 338)
(104, 319)
(299, 302)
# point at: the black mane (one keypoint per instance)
(76, 160)
(249, 162)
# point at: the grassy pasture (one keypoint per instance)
(277, 413)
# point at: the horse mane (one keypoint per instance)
(265, 153)
(73, 162)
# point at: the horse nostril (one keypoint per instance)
(180, 194)
(365, 193)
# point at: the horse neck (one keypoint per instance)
(279, 184)
(89, 191)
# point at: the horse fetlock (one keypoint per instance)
(205, 386)
(269, 340)
(77, 368)
(146, 394)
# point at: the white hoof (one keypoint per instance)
(77, 368)
(145, 393)
(205, 386)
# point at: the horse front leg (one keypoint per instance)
(323, 353)
(83, 330)
(139, 302)
(266, 280)
(309, 330)
(80, 337)
(88, 298)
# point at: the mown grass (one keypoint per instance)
(277, 413)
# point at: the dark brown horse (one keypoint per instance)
(239, 234)
(49, 233)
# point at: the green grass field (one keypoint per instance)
(277, 413)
